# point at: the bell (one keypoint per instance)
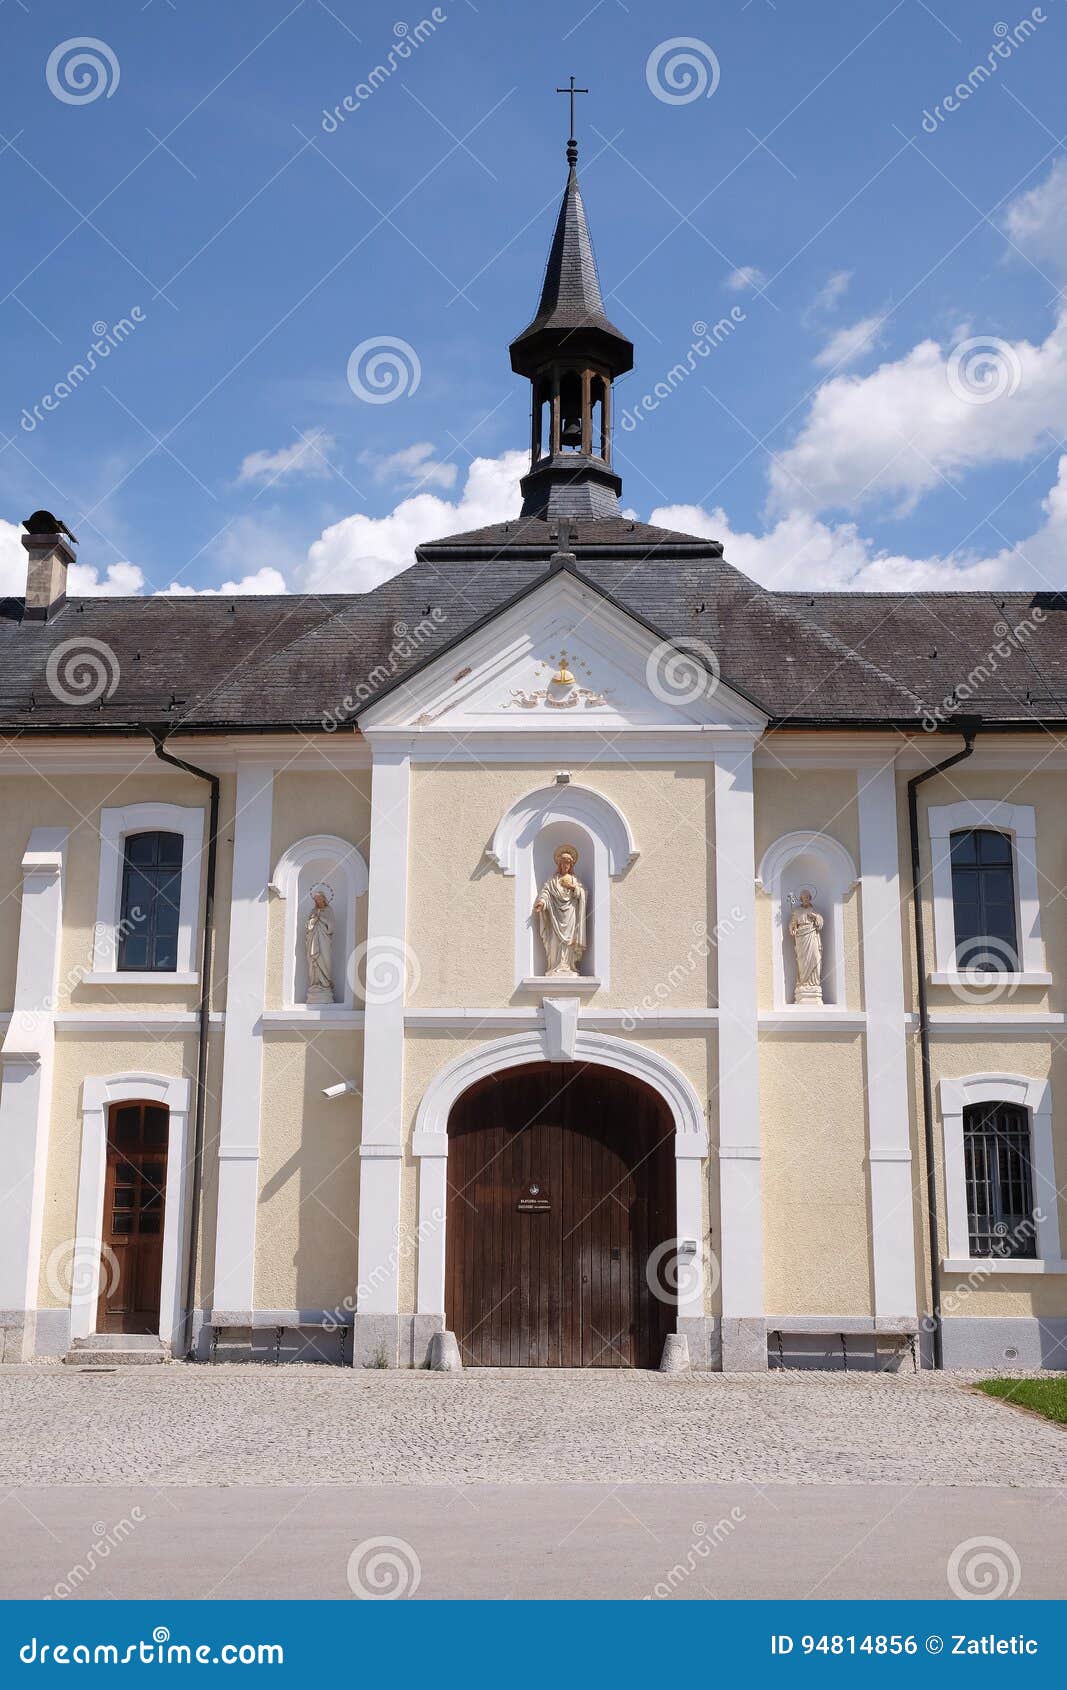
(572, 433)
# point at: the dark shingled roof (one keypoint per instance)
(254, 663)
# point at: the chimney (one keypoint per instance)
(50, 545)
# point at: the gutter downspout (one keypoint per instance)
(159, 737)
(968, 726)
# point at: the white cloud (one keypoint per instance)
(801, 551)
(848, 344)
(120, 580)
(748, 276)
(1037, 221)
(414, 464)
(307, 456)
(360, 552)
(831, 291)
(265, 580)
(938, 412)
(12, 559)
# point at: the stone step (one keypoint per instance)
(118, 1349)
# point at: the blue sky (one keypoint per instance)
(887, 408)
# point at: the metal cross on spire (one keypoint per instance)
(572, 145)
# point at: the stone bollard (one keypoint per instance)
(675, 1354)
(444, 1353)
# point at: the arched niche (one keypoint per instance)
(820, 863)
(523, 847)
(320, 858)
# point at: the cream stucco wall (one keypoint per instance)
(815, 1195)
(461, 907)
(306, 1223)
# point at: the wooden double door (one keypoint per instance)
(131, 1268)
(561, 1185)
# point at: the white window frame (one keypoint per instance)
(115, 827)
(99, 1092)
(1019, 821)
(1023, 1092)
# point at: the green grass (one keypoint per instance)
(1044, 1396)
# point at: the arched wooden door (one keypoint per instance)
(134, 1196)
(561, 1184)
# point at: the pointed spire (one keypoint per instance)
(571, 308)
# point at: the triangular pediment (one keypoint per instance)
(565, 658)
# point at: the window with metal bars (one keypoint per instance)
(983, 901)
(151, 901)
(1000, 1181)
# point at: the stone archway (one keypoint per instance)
(497, 1057)
(560, 1210)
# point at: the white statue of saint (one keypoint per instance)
(805, 930)
(560, 912)
(318, 946)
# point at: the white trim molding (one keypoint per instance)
(603, 827)
(115, 827)
(740, 1156)
(242, 1051)
(430, 1140)
(99, 1092)
(331, 859)
(888, 1110)
(839, 878)
(1019, 821)
(26, 1061)
(1025, 1092)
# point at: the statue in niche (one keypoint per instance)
(805, 930)
(560, 912)
(318, 946)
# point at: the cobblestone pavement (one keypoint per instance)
(299, 1425)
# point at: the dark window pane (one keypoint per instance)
(124, 1197)
(151, 898)
(150, 1223)
(1000, 1191)
(993, 847)
(122, 1223)
(983, 901)
(963, 850)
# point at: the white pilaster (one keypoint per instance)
(242, 1074)
(741, 1217)
(26, 1089)
(386, 970)
(888, 1115)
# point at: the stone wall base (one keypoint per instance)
(1007, 1341)
(744, 1344)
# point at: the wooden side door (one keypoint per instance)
(134, 1200)
(561, 1184)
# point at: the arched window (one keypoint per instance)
(1000, 1181)
(150, 903)
(983, 901)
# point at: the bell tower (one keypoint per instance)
(571, 354)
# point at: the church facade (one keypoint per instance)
(570, 953)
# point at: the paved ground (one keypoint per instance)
(307, 1426)
(675, 1542)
